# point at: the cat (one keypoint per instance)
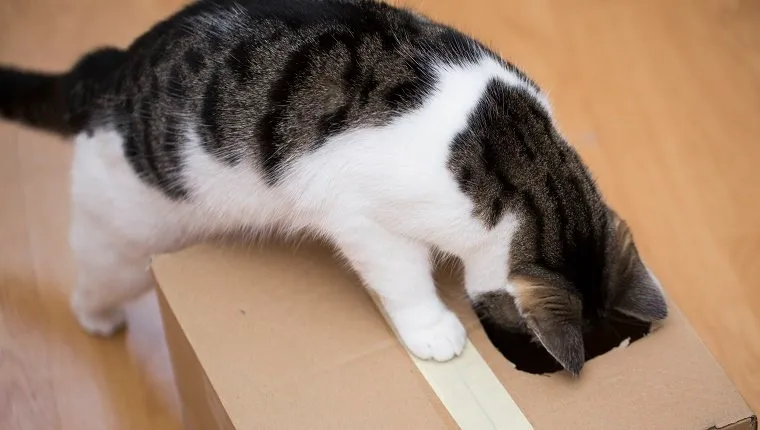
(372, 126)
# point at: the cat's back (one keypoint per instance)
(264, 81)
(312, 109)
(285, 77)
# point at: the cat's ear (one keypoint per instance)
(640, 295)
(637, 293)
(553, 315)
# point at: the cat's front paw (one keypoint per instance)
(441, 340)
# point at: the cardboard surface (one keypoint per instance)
(286, 338)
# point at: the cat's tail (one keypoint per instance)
(60, 103)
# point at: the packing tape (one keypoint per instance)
(469, 390)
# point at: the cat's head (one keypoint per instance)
(557, 300)
(573, 263)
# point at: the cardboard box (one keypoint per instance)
(279, 337)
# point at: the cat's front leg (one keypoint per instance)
(399, 271)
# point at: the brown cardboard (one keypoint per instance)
(193, 385)
(283, 337)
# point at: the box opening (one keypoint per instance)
(529, 356)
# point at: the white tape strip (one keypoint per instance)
(470, 391)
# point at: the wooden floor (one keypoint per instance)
(661, 97)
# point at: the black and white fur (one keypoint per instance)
(372, 126)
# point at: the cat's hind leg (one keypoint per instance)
(118, 224)
(109, 274)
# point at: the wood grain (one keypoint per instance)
(661, 98)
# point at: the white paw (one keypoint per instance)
(441, 340)
(103, 323)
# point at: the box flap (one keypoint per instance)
(294, 345)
